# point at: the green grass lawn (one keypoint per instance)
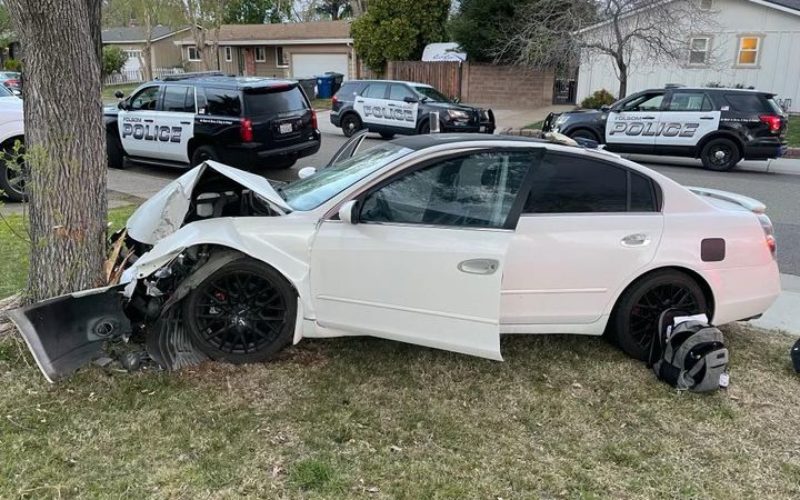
(321, 104)
(14, 249)
(793, 134)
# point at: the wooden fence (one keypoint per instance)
(445, 76)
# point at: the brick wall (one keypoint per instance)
(507, 86)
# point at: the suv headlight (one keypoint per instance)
(457, 114)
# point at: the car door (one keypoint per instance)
(403, 106)
(687, 116)
(583, 234)
(633, 123)
(424, 259)
(137, 123)
(175, 122)
(373, 105)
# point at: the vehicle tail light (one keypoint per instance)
(769, 234)
(774, 122)
(314, 123)
(334, 101)
(246, 130)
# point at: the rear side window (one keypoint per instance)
(347, 92)
(689, 101)
(375, 91)
(570, 184)
(745, 103)
(223, 102)
(259, 102)
(178, 99)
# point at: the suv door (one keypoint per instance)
(582, 235)
(687, 116)
(372, 105)
(137, 128)
(176, 122)
(403, 113)
(424, 259)
(633, 123)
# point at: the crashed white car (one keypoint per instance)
(445, 241)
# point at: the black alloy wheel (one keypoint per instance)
(720, 155)
(351, 124)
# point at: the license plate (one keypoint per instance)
(286, 128)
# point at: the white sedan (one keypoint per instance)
(445, 241)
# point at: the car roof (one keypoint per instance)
(423, 141)
(226, 81)
(727, 90)
(416, 84)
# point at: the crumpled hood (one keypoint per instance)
(164, 213)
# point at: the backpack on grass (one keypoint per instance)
(688, 353)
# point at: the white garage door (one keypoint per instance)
(305, 65)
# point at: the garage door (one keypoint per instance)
(305, 65)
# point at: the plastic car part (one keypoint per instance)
(169, 345)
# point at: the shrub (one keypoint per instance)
(113, 60)
(12, 65)
(599, 99)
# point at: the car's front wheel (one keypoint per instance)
(634, 323)
(720, 155)
(351, 124)
(12, 179)
(244, 312)
(582, 133)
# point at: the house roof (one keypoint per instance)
(136, 34)
(313, 32)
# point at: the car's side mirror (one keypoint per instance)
(348, 212)
(118, 94)
(456, 100)
(605, 109)
(123, 105)
(306, 172)
(410, 99)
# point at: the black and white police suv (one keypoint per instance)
(393, 107)
(183, 120)
(719, 126)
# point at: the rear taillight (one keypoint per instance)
(246, 130)
(774, 122)
(334, 101)
(769, 234)
(314, 123)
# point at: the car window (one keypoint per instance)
(267, 101)
(689, 101)
(571, 184)
(145, 99)
(400, 92)
(347, 91)
(4, 92)
(176, 98)
(745, 103)
(475, 190)
(431, 94)
(223, 102)
(647, 102)
(375, 91)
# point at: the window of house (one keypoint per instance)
(133, 53)
(476, 190)
(280, 58)
(228, 54)
(698, 49)
(261, 54)
(706, 4)
(194, 54)
(749, 47)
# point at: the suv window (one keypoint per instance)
(646, 102)
(571, 184)
(178, 98)
(400, 92)
(375, 91)
(689, 101)
(475, 190)
(746, 103)
(223, 102)
(146, 99)
(348, 91)
(266, 101)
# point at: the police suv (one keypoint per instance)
(393, 107)
(183, 120)
(719, 126)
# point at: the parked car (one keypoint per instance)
(393, 107)
(11, 80)
(444, 240)
(183, 120)
(12, 130)
(719, 126)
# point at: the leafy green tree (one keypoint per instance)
(398, 29)
(479, 25)
(334, 9)
(257, 11)
(113, 59)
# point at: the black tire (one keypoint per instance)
(351, 123)
(243, 313)
(582, 133)
(12, 182)
(204, 153)
(114, 152)
(634, 322)
(387, 135)
(425, 127)
(720, 155)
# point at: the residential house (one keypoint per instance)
(164, 52)
(755, 43)
(287, 50)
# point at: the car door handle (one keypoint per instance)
(147, 120)
(186, 123)
(392, 105)
(648, 118)
(636, 240)
(359, 100)
(479, 266)
(706, 117)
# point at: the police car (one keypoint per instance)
(719, 126)
(186, 119)
(394, 107)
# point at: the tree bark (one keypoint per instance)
(147, 50)
(65, 143)
(623, 79)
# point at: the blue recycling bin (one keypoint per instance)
(324, 86)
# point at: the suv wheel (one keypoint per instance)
(720, 155)
(582, 133)
(387, 135)
(351, 124)
(204, 153)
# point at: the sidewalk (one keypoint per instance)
(785, 312)
(518, 118)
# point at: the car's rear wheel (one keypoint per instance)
(720, 155)
(243, 313)
(584, 134)
(634, 323)
(204, 153)
(114, 152)
(351, 124)
(13, 176)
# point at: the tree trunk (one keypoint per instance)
(623, 79)
(147, 50)
(65, 143)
